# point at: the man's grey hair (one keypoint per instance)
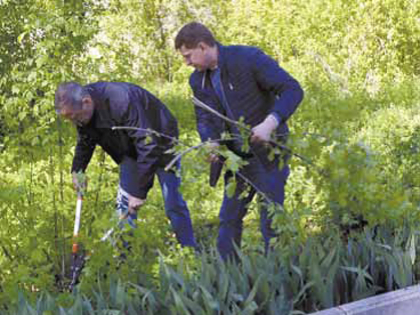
(69, 94)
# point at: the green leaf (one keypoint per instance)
(231, 188)
(253, 292)
(22, 115)
(20, 37)
(15, 89)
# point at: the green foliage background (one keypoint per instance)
(359, 125)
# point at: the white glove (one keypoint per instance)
(262, 131)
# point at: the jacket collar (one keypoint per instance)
(221, 59)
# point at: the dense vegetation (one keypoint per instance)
(349, 228)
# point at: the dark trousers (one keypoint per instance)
(175, 207)
(271, 182)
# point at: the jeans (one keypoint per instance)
(271, 182)
(175, 207)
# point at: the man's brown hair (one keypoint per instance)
(192, 34)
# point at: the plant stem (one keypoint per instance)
(151, 131)
(201, 104)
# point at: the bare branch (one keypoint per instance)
(201, 104)
(6, 253)
(181, 154)
(151, 131)
(249, 182)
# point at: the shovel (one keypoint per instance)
(79, 257)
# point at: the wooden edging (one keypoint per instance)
(402, 302)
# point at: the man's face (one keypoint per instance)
(79, 117)
(199, 57)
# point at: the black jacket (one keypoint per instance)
(128, 105)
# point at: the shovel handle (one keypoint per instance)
(78, 214)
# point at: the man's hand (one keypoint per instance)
(134, 203)
(79, 181)
(262, 132)
(213, 157)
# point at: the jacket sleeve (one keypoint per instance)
(209, 126)
(133, 114)
(271, 77)
(83, 152)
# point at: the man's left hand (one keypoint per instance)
(262, 132)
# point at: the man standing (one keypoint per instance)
(141, 151)
(241, 81)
